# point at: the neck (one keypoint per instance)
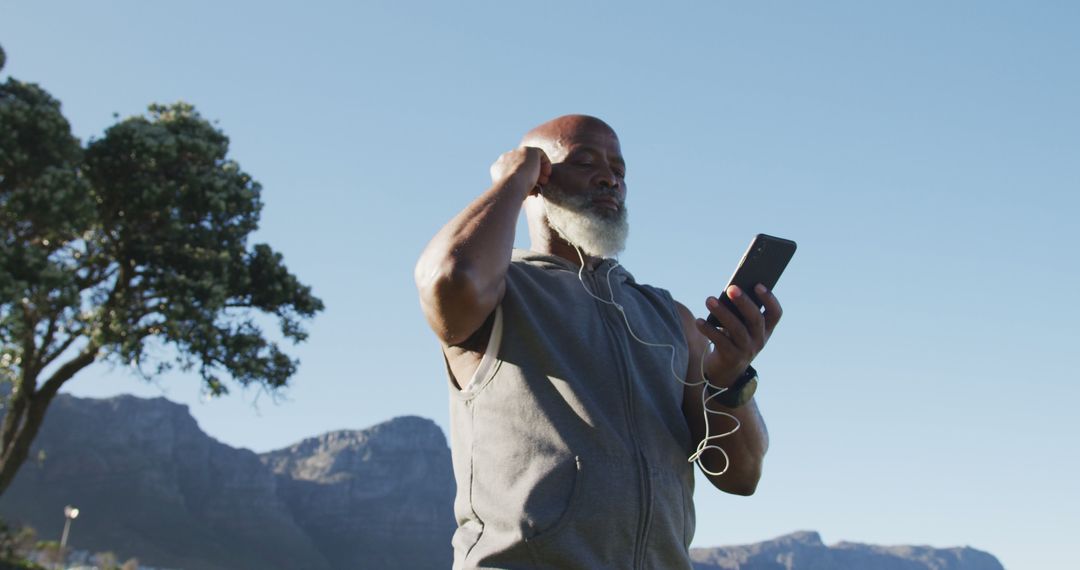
(551, 243)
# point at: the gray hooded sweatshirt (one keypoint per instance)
(569, 444)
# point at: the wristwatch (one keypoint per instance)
(741, 391)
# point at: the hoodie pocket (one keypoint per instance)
(535, 534)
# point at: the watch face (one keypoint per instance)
(739, 394)
(746, 393)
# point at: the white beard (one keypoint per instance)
(573, 216)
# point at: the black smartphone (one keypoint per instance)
(763, 263)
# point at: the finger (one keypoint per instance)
(723, 350)
(773, 310)
(735, 329)
(752, 319)
(718, 336)
(724, 355)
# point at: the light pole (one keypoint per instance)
(70, 513)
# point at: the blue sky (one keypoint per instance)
(921, 387)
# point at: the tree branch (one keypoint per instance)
(51, 356)
(46, 340)
(65, 372)
(93, 278)
(29, 349)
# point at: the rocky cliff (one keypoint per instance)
(378, 498)
(806, 551)
(150, 483)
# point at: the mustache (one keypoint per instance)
(590, 194)
(601, 192)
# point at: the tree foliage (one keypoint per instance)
(135, 249)
(16, 544)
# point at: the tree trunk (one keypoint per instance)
(25, 427)
(21, 423)
(15, 410)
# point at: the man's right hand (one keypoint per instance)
(530, 165)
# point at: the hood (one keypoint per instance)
(553, 262)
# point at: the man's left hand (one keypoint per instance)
(736, 344)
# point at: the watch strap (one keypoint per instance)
(740, 392)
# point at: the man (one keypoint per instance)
(577, 393)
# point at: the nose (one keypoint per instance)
(608, 185)
(606, 179)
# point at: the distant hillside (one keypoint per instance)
(805, 551)
(377, 498)
(150, 484)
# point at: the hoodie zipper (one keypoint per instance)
(621, 358)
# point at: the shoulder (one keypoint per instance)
(694, 338)
(679, 310)
(684, 312)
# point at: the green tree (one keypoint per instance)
(132, 249)
(16, 544)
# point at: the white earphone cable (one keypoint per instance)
(706, 441)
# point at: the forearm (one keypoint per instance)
(461, 272)
(745, 448)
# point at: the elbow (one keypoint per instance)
(428, 274)
(445, 283)
(452, 299)
(742, 482)
(743, 489)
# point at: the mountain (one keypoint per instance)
(806, 551)
(149, 483)
(370, 498)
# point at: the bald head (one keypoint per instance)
(581, 206)
(556, 136)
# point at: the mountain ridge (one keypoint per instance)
(805, 550)
(151, 484)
